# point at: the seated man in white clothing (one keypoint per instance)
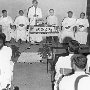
(34, 13)
(63, 65)
(21, 23)
(82, 24)
(6, 65)
(52, 19)
(79, 80)
(68, 25)
(6, 21)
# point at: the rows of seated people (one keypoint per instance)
(17, 29)
(72, 71)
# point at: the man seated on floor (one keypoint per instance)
(52, 19)
(63, 65)
(79, 80)
(21, 23)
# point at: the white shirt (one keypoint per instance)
(6, 21)
(67, 83)
(88, 63)
(69, 22)
(52, 20)
(83, 22)
(5, 57)
(31, 14)
(63, 62)
(21, 20)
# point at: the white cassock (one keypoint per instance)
(32, 11)
(6, 67)
(81, 34)
(68, 32)
(21, 30)
(52, 20)
(5, 22)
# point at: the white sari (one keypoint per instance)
(81, 34)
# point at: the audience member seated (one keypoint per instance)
(68, 25)
(6, 65)
(81, 33)
(63, 65)
(79, 80)
(52, 19)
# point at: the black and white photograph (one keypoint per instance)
(44, 44)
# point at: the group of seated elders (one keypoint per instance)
(6, 64)
(66, 69)
(75, 28)
(17, 28)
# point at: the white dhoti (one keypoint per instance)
(67, 33)
(21, 33)
(81, 37)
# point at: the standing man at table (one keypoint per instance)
(34, 13)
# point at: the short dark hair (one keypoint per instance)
(70, 12)
(74, 46)
(34, 1)
(82, 13)
(4, 11)
(79, 60)
(16, 88)
(21, 11)
(51, 9)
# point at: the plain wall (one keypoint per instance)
(60, 6)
